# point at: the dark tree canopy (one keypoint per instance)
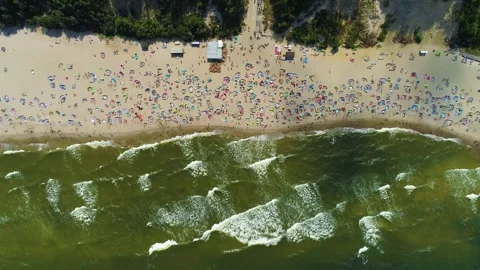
(286, 11)
(183, 19)
(469, 19)
(324, 30)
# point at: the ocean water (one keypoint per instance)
(336, 199)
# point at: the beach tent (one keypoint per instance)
(195, 44)
(177, 43)
(422, 53)
(289, 56)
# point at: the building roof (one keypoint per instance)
(213, 51)
(176, 50)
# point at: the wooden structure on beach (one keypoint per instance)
(471, 57)
(289, 56)
(176, 52)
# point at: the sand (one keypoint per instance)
(48, 88)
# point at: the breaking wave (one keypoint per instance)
(161, 246)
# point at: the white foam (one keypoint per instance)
(94, 144)
(362, 254)
(260, 167)
(74, 149)
(13, 190)
(316, 133)
(13, 175)
(341, 206)
(320, 227)
(190, 136)
(39, 146)
(132, 152)
(473, 200)
(211, 192)
(385, 187)
(144, 182)
(219, 204)
(260, 225)
(161, 246)
(387, 215)
(11, 152)
(396, 130)
(310, 197)
(195, 213)
(384, 192)
(259, 138)
(254, 138)
(53, 189)
(463, 181)
(370, 227)
(362, 250)
(442, 139)
(84, 214)
(87, 191)
(472, 197)
(250, 150)
(26, 195)
(430, 136)
(235, 250)
(197, 168)
(409, 188)
(187, 148)
(403, 176)
(188, 214)
(55, 150)
(370, 231)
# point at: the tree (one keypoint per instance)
(148, 29)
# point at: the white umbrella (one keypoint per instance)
(177, 42)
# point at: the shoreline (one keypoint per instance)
(155, 135)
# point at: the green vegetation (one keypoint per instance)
(473, 51)
(417, 35)
(326, 25)
(286, 11)
(383, 34)
(232, 15)
(469, 29)
(183, 19)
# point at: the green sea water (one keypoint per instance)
(339, 199)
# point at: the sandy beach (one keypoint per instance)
(84, 87)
